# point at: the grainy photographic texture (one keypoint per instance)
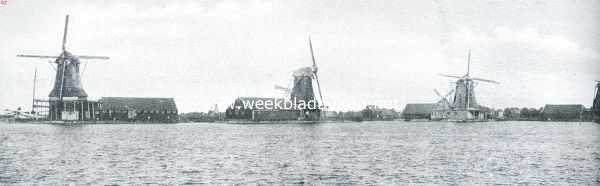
(299, 92)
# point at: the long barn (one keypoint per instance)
(567, 112)
(136, 109)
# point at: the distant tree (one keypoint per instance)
(356, 116)
(370, 113)
(507, 113)
(396, 116)
(524, 112)
(534, 113)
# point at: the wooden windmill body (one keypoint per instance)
(303, 87)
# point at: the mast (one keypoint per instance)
(33, 95)
(469, 63)
(467, 78)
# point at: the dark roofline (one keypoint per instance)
(564, 105)
(418, 108)
(138, 103)
(139, 97)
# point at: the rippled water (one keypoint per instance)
(345, 153)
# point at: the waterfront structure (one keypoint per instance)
(67, 100)
(464, 106)
(301, 92)
(416, 111)
(136, 109)
(565, 112)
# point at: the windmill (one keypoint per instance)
(464, 97)
(303, 86)
(67, 82)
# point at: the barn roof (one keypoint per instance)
(419, 108)
(137, 103)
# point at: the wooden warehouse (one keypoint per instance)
(573, 112)
(132, 109)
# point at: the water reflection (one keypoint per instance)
(387, 153)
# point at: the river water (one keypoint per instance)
(381, 153)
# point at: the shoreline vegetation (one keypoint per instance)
(570, 113)
(374, 113)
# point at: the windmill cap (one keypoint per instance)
(306, 71)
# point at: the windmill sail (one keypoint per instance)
(469, 63)
(64, 41)
(315, 69)
(596, 103)
(443, 99)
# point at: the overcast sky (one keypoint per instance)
(207, 52)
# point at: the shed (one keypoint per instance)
(418, 110)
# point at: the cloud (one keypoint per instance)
(200, 51)
(529, 38)
(534, 68)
